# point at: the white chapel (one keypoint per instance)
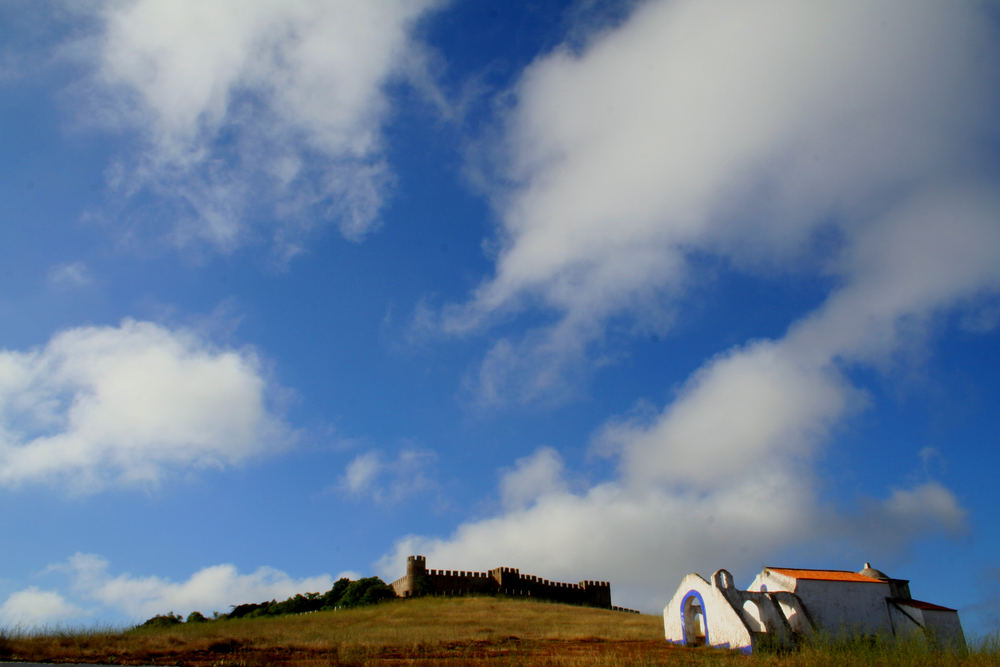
(783, 604)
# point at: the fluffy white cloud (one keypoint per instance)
(741, 409)
(214, 588)
(93, 588)
(735, 129)
(776, 399)
(122, 405)
(532, 478)
(645, 539)
(33, 608)
(840, 140)
(243, 103)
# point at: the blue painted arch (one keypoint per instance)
(704, 615)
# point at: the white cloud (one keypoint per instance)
(735, 129)
(124, 405)
(73, 274)
(244, 103)
(645, 539)
(722, 476)
(370, 475)
(532, 478)
(361, 472)
(833, 140)
(213, 588)
(743, 408)
(33, 607)
(542, 367)
(883, 528)
(928, 503)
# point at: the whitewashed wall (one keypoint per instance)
(724, 625)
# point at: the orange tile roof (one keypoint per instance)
(825, 575)
(919, 604)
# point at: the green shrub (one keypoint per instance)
(196, 617)
(369, 590)
(249, 609)
(344, 593)
(163, 621)
(331, 599)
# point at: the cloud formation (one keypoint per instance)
(644, 538)
(839, 141)
(73, 274)
(92, 588)
(754, 132)
(387, 481)
(246, 103)
(124, 405)
(531, 478)
(33, 607)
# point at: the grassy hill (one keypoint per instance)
(458, 631)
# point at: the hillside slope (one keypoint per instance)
(430, 630)
(433, 631)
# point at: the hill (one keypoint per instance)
(458, 631)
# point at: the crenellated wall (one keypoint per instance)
(418, 581)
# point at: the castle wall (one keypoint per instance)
(418, 581)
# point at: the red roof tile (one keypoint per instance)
(825, 575)
(921, 605)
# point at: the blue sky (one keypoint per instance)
(605, 290)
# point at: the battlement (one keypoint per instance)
(419, 581)
(457, 573)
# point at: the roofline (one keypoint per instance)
(857, 577)
(920, 604)
(809, 569)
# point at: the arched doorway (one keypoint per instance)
(693, 621)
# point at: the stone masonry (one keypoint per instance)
(419, 581)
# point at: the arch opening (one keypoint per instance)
(693, 620)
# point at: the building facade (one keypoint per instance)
(784, 604)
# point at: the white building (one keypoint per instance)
(783, 604)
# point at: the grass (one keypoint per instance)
(457, 631)
(431, 630)
(874, 651)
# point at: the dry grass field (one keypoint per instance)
(455, 631)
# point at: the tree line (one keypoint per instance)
(344, 593)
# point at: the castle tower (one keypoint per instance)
(416, 566)
(406, 586)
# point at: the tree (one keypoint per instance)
(369, 590)
(331, 599)
(163, 621)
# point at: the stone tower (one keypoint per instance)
(416, 568)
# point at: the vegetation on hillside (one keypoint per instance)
(464, 630)
(344, 594)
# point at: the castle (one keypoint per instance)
(418, 581)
